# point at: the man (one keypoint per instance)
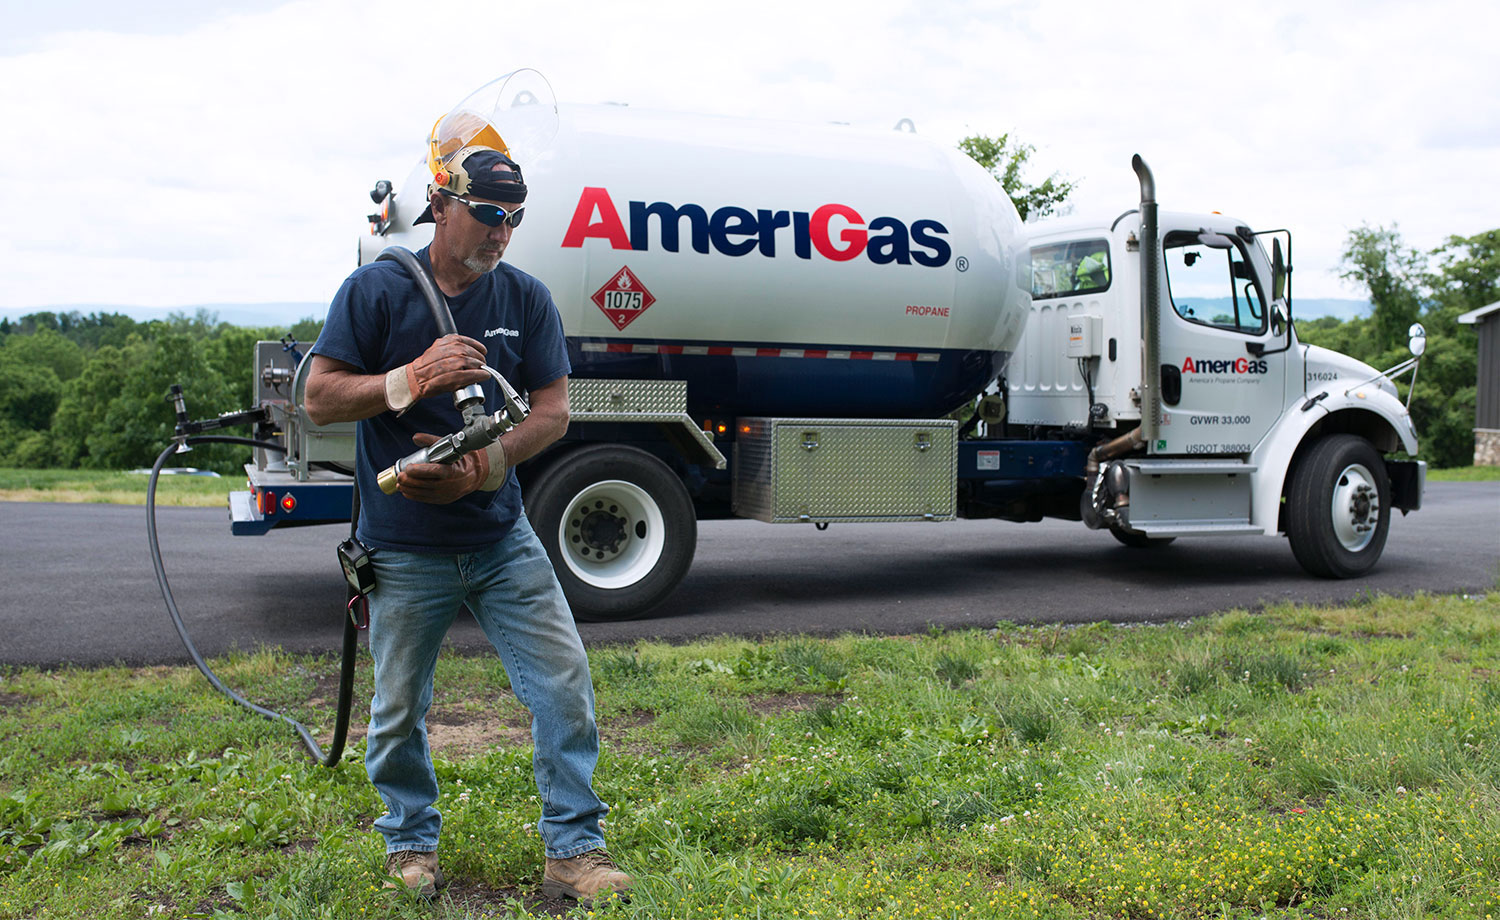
(1092, 273)
(456, 533)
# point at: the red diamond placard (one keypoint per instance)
(623, 298)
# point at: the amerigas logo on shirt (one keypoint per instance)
(501, 330)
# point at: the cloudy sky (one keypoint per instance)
(170, 153)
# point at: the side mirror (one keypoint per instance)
(1278, 271)
(1418, 339)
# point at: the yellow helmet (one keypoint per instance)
(457, 130)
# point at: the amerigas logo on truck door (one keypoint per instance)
(835, 231)
(1223, 366)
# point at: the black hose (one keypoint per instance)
(436, 304)
(1088, 385)
(469, 400)
(351, 633)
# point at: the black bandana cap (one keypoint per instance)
(479, 173)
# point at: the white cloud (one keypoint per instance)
(226, 159)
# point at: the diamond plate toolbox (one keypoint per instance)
(623, 397)
(823, 470)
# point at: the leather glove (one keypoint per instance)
(451, 363)
(441, 483)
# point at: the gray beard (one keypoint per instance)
(481, 264)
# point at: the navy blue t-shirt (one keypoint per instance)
(379, 321)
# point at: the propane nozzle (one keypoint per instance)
(479, 432)
(469, 401)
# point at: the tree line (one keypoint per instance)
(90, 391)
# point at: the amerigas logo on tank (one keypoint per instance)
(623, 298)
(834, 231)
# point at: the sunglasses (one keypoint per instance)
(492, 215)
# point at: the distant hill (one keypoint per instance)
(1302, 308)
(286, 314)
(1313, 308)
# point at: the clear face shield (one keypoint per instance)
(515, 114)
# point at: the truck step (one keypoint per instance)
(1198, 529)
(1179, 498)
(1189, 467)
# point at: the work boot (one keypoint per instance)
(418, 871)
(586, 878)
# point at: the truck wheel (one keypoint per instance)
(619, 527)
(1338, 507)
(1138, 540)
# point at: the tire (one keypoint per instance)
(1138, 540)
(618, 526)
(1338, 507)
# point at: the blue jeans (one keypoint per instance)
(511, 590)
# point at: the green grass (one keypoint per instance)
(1295, 763)
(1466, 474)
(115, 488)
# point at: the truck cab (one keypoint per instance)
(1224, 372)
(1235, 426)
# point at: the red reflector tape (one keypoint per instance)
(628, 348)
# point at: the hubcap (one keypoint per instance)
(1355, 508)
(597, 530)
(612, 534)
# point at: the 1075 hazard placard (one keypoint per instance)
(623, 298)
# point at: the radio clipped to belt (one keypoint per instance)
(354, 559)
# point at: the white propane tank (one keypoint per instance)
(781, 269)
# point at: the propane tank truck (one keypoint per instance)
(778, 321)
